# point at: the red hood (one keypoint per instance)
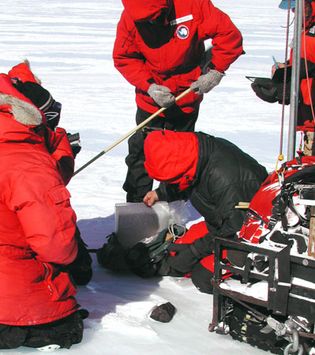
(18, 115)
(22, 71)
(171, 157)
(141, 10)
(7, 88)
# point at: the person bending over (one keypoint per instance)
(215, 175)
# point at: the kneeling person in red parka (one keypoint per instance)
(37, 232)
(57, 141)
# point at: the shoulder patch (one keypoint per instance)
(182, 32)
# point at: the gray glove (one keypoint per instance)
(207, 82)
(161, 95)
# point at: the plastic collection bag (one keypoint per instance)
(135, 221)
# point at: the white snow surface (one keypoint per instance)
(69, 44)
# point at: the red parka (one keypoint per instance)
(171, 55)
(306, 109)
(37, 223)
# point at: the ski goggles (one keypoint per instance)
(53, 114)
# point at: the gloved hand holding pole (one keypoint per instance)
(207, 82)
(145, 122)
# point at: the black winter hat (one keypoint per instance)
(40, 97)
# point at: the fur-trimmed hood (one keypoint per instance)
(22, 109)
(18, 115)
(23, 112)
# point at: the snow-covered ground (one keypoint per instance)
(69, 44)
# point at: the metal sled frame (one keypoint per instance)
(280, 298)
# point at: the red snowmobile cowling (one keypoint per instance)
(257, 223)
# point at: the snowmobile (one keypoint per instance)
(269, 301)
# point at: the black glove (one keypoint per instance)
(184, 260)
(265, 89)
(271, 91)
(81, 268)
(187, 255)
(74, 140)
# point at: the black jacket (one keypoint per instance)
(225, 176)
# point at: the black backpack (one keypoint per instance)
(144, 258)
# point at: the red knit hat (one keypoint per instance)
(171, 157)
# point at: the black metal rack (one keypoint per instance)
(283, 297)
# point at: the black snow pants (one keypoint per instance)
(64, 332)
(137, 182)
(201, 278)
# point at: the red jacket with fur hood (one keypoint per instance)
(57, 141)
(37, 223)
(171, 55)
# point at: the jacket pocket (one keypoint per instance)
(59, 197)
(59, 194)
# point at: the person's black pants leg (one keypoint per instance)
(202, 278)
(12, 337)
(137, 182)
(64, 332)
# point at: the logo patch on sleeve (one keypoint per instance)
(182, 32)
